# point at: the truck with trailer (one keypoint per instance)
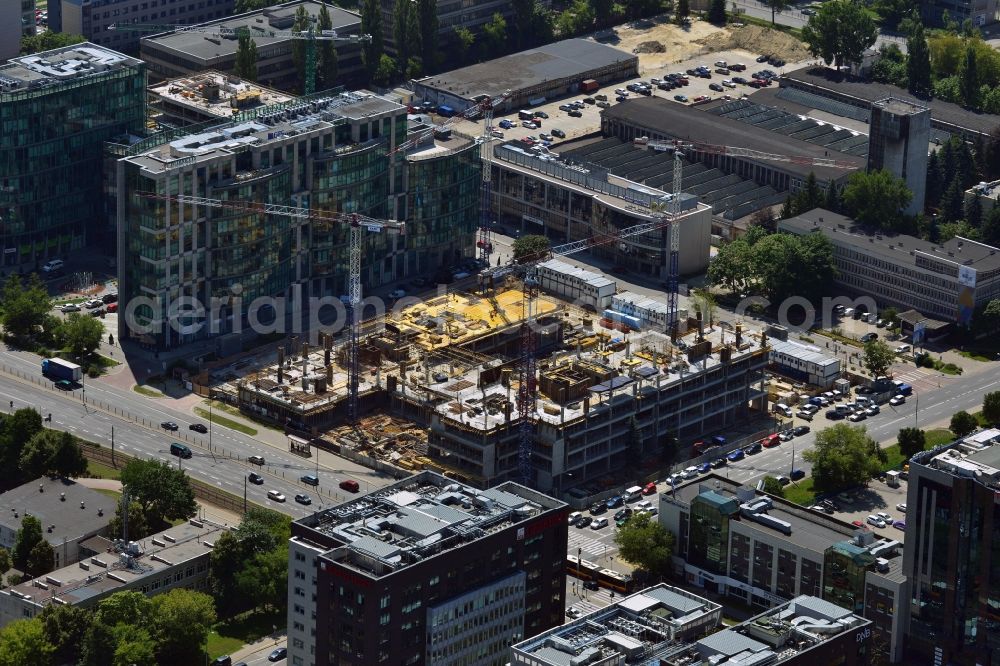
(56, 369)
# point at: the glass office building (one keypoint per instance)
(330, 154)
(709, 540)
(57, 109)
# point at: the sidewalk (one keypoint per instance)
(259, 650)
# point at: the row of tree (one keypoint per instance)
(774, 265)
(125, 629)
(28, 451)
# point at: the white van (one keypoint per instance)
(53, 266)
(633, 493)
(783, 409)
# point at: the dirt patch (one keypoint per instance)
(650, 47)
(677, 43)
(757, 39)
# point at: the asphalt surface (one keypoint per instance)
(221, 463)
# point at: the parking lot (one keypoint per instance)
(589, 120)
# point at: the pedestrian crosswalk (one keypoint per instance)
(587, 544)
(587, 601)
(919, 378)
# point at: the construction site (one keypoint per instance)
(439, 387)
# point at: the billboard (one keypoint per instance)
(967, 276)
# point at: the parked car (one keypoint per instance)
(649, 489)
(704, 468)
(784, 480)
(797, 474)
(899, 524)
(872, 410)
(598, 508)
(681, 98)
(728, 84)
(736, 455)
(718, 462)
(716, 87)
(762, 58)
(876, 521)
(573, 613)
(738, 67)
(69, 307)
(857, 417)
(901, 507)
(584, 522)
(600, 523)
(752, 449)
(800, 430)
(615, 502)
(93, 303)
(277, 654)
(109, 298)
(885, 517)
(858, 523)
(198, 427)
(575, 114)
(690, 472)
(772, 440)
(574, 517)
(868, 337)
(623, 514)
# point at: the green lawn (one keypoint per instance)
(975, 356)
(218, 419)
(146, 391)
(96, 470)
(938, 437)
(235, 411)
(896, 459)
(801, 492)
(230, 635)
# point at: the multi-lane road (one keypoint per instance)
(135, 423)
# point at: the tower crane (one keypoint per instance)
(352, 300)
(666, 215)
(484, 106)
(225, 32)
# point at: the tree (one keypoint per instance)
(717, 12)
(386, 70)
(732, 267)
(911, 441)
(644, 542)
(327, 65)
(237, 578)
(163, 491)
(777, 6)
(963, 423)
(843, 456)
(577, 19)
(427, 27)
(969, 79)
(494, 37)
(23, 642)
(15, 430)
(951, 201)
(876, 198)
(603, 10)
(182, 619)
(892, 12)
(918, 62)
(264, 580)
(371, 24)
(683, 10)
(25, 540)
(48, 40)
(765, 219)
(246, 57)
(53, 453)
(840, 31)
(832, 202)
(83, 334)
(138, 528)
(133, 645)
(891, 317)
(65, 627)
(24, 306)
(974, 211)
(991, 412)
(464, 39)
(301, 23)
(773, 487)
(530, 247)
(5, 562)
(404, 33)
(878, 357)
(41, 559)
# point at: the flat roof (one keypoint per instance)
(43, 499)
(901, 107)
(871, 92)
(899, 248)
(550, 62)
(108, 572)
(640, 624)
(419, 517)
(277, 17)
(216, 94)
(801, 351)
(809, 529)
(690, 123)
(588, 277)
(62, 65)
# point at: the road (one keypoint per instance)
(135, 420)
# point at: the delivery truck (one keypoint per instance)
(56, 368)
(589, 85)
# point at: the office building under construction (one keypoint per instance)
(607, 397)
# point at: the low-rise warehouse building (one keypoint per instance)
(947, 281)
(176, 54)
(804, 363)
(828, 90)
(659, 118)
(175, 558)
(69, 513)
(532, 77)
(539, 193)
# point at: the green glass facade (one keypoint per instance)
(51, 155)
(709, 531)
(224, 258)
(844, 568)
